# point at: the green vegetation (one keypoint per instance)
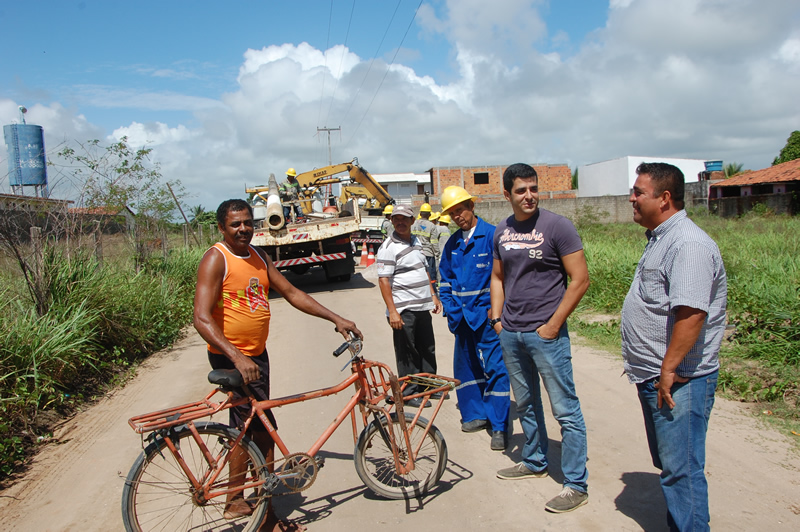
(791, 151)
(761, 359)
(71, 318)
(732, 169)
(99, 320)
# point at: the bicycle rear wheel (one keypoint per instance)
(159, 496)
(375, 463)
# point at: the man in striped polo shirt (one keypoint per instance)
(409, 296)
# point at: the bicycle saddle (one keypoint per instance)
(227, 378)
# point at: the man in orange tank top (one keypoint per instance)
(233, 282)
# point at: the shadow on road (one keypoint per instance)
(314, 511)
(641, 500)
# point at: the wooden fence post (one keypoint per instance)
(164, 244)
(98, 244)
(186, 236)
(36, 242)
(200, 231)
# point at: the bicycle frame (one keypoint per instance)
(374, 382)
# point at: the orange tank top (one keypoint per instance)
(242, 311)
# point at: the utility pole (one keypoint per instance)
(328, 130)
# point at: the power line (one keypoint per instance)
(327, 45)
(385, 74)
(341, 61)
(377, 50)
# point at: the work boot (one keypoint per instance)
(499, 442)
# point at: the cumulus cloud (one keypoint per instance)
(707, 79)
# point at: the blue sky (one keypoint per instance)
(227, 92)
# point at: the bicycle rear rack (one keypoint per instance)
(177, 415)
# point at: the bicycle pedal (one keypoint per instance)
(270, 483)
(320, 462)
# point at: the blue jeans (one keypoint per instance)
(677, 440)
(528, 356)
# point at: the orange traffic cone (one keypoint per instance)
(370, 257)
(363, 255)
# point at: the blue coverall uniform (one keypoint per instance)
(466, 271)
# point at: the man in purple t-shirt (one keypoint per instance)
(534, 252)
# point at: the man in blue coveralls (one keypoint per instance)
(465, 268)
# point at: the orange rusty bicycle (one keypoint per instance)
(182, 479)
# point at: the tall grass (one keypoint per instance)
(101, 319)
(762, 261)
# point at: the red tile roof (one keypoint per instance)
(779, 173)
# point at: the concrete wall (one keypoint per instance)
(599, 209)
(616, 177)
(736, 206)
(602, 209)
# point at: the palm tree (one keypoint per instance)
(731, 169)
(197, 211)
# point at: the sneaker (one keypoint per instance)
(520, 471)
(566, 501)
(499, 442)
(474, 426)
(417, 402)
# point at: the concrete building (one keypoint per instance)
(616, 177)
(775, 187)
(15, 202)
(402, 187)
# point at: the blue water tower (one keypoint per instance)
(26, 163)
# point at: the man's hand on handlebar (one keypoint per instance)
(345, 327)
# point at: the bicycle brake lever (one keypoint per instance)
(349, 362)
(355, 346)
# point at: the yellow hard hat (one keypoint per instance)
(426, 207)
(452, 196)
(388, 209)
(434, 216)
(444, 219)
(291, 172)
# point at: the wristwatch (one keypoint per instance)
(494, 322)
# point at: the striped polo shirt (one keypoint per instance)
(404, 265)
(681, 266)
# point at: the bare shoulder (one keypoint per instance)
(213, 261)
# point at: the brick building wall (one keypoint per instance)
(490, 178)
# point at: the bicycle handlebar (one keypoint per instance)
(354, 345)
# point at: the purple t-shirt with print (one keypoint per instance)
(534, 276)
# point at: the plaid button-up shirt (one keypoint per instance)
(681, 266)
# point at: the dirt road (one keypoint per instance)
(76, 485)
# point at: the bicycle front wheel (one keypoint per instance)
(375, 463)
(159, 496)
